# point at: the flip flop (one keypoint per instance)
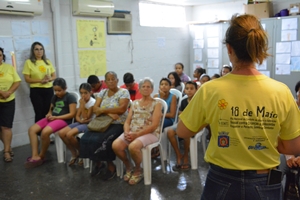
(135, 179)
(33, 163)
(185, 167)
(176, 167)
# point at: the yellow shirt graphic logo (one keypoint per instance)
(1, 74)
(42, 69)
(222, 104)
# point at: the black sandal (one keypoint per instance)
(7, 159)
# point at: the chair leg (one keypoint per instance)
(86, 163)
(119, 166)
(164, 144)
(203, 138)
(91, 166)
(59, 148)
(163, 167)
(147, 165)
(194, 153)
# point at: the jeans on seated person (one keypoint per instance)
(236, 184)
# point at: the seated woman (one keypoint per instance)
(98, 146)
(140, 129)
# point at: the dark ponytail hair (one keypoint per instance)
(85, 86)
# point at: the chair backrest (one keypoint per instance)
(77, 97)
(178, 97)
(182, 86)
(164, 111)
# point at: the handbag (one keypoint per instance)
(292, 185)
(100, 123)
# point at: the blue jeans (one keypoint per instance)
(239, 185)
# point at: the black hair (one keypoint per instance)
(216, 75)
(165, 79)
(297, 86)
(205, 75)
(85, 86)
(192, 83)
(182, 66)
(226, 67)
(200, 70)
(2, 50)
(128, 78)
(176, 77)
(60, 82)
(32, 56)
(92, 79)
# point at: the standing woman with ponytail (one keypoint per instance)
(9, 82)
(39, 73)
(253, 119)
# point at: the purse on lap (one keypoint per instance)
(100, 124)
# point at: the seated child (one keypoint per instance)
(197, 74)
(215, 76)
(225, 70)
(179, 70)
(182, 161)
(175, 81)
(170, 99)
(62, 111)
(83, 116)
(204, 78)
(96, 84)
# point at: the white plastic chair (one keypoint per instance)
(201, 135)
(146, 151)
(164, 136)
(182, 86)
(61, 149)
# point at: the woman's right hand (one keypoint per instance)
(291, 162)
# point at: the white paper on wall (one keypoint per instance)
(212, 30)
(6, 43)
(212, 53)
(295, 48)
(197, 44)
(283, 47)
(288, 35)
(198, 55)
(39, 28)
(264, 26)
(283, 70)
(198, 30)
(197, 65)
(267, 73)
(213, 42)
(289, 24)
(283, 59)
(20, 28)
(263, 66)
(42, 39)
(161, 42)
(213, 63)
(22, 43)
(211, 72)
(295, 64)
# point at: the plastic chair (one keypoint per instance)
(182, 86)
(201, 135)
(61, 149)
(146, 151)
(164, 136)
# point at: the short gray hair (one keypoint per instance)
(146, 79)
(111, 72)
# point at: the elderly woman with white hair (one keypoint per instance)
(141, 128)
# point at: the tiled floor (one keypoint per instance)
(58, 181)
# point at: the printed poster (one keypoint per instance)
(92, 62)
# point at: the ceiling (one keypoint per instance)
(192, 2)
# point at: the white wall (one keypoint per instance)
(148, 58)
(224, 11)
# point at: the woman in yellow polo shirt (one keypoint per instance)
(253, 119)
(39, 73)
(9, 82)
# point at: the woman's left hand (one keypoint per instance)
(5, 94)
(51, 118)
(132, 136)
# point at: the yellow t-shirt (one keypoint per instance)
(38, 71)
(246, 115)
(8, 76)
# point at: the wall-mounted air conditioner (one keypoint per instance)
(98, 8)
(120, 23)
(18, 7)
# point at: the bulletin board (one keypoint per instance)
(283, 64)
